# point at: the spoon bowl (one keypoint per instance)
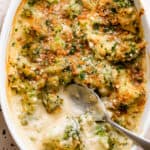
(89, 101)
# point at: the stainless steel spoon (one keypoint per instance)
(88, 100)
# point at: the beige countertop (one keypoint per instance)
(6, 142)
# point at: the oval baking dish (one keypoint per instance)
(4, 40)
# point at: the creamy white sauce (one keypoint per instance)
(42, 124)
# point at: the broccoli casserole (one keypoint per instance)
(95, 43)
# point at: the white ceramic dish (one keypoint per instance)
(145, 121)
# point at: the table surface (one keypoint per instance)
(6, 141)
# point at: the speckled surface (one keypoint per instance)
(6, 141)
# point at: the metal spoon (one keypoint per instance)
(88, 100)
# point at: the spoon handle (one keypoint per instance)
(144, 143)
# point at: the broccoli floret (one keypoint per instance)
(52, 102)
(26, 13)
(32, 2)
(124, 3)
(52, 1)
(73, 9)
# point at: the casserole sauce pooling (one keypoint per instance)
(95, 43)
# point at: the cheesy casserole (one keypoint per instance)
(95, 43)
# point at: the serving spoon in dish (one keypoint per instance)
(88, 101)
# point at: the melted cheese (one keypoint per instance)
(95, 43)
